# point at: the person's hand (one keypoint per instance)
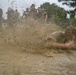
(69, 44)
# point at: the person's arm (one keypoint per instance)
(67, 45)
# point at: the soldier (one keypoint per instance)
(16, 15)
(33, 10)
(10, 13)
(69, 34)
(10, 17)
(1, 18)
(42, 14)
(65, 40)
(39, 12)
(45, 16)
(26, 13)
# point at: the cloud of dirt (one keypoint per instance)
(28, 34)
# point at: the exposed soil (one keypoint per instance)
(21, 52)
(16, 61)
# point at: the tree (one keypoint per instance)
(55, 13)
(53, 10)
(70, 3)
(47, 8)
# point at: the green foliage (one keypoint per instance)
(71, 3)
(72, 14)
(54, 12)
(57, 14)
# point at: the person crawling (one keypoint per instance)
(65, 40)
(53, 44)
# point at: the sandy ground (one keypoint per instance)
(20, 53)
(16, 61)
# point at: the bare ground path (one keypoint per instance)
(14, 61)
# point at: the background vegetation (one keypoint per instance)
(58, 15)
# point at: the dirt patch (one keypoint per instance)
(22, 52)
(15, 61)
